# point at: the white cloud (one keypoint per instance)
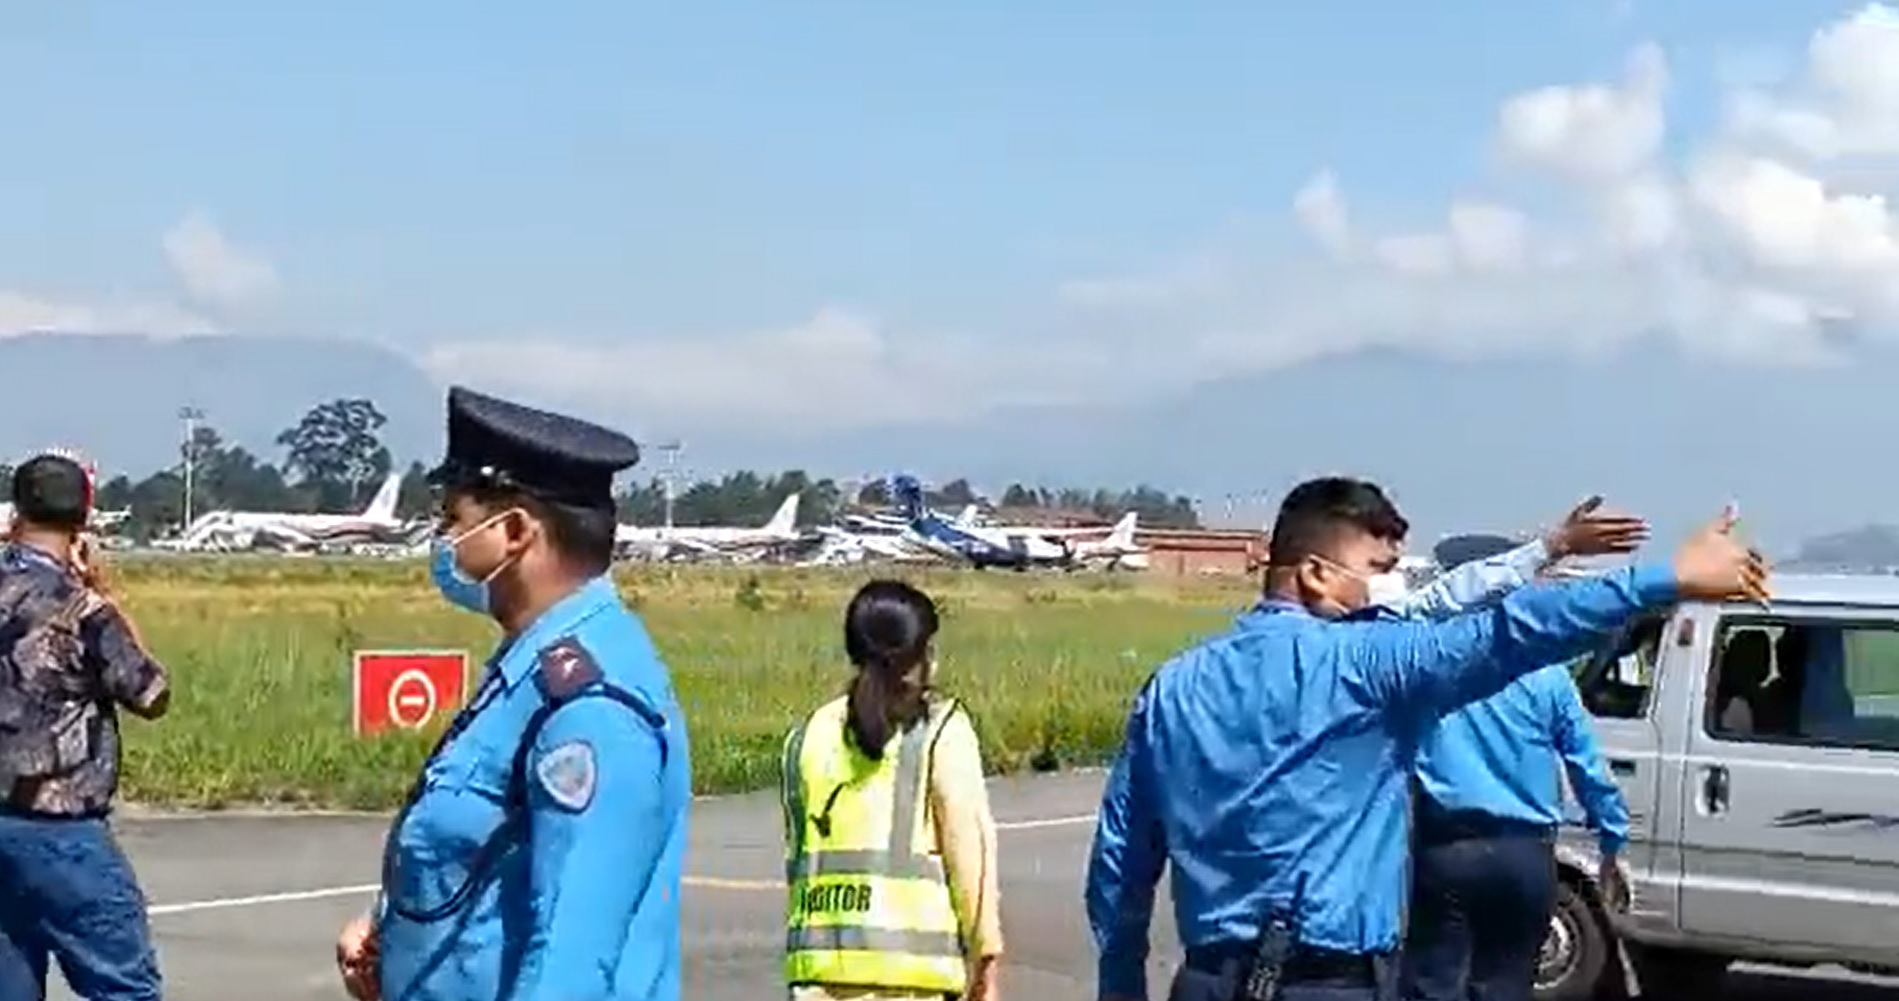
(23, 314)
(215, 275)
(1320, 209)
(838, 368)
(1847, 102)
(1593, 132)
(1740, 249)
(212, 270)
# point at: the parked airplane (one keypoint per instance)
(1118, 551)
(833, 546)
(102, 521)
(885, 523)
(227, 530)
(981, 547)
(659, 543)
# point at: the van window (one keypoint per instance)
(1616, 681)
(1824, 682)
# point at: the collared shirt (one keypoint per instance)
(1277, 759)
(584, 904)
(61, 710)
(1499, 756)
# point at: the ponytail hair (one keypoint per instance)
(888, 627)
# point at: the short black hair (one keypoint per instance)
(583, 536)
(52, 491)
(1312, 515)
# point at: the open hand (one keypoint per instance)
(1591, 531)
(1714, 566)
(357, 960)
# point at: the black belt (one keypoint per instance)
(1307, 964)
(1436, 825)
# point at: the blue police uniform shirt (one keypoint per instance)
(1499, 755)
(1277, 758)
(586, 905)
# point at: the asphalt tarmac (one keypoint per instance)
(248, 906)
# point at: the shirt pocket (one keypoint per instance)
(452, 838)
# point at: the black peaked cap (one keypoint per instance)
(498, 443)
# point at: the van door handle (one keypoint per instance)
(1714, 788)
(1622, 766)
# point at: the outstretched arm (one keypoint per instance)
(1587, 530)
(1434, 667)
(1476, 583)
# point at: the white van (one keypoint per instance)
(1758, 749)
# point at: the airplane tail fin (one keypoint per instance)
(907, 493)
(967, 516)
(785, 521)
(1122, 535)
(382, 507)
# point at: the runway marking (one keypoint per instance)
(291, 897)
(721, 883)
(707, 882)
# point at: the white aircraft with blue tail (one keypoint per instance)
(980, 546)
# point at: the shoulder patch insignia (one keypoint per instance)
(569, 774)
(565, 668)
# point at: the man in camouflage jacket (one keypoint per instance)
(69, 658)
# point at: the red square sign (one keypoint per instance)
(405, 689)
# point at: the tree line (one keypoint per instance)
(333, 459)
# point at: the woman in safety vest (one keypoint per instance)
(890, 848)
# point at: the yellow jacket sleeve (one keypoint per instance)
(966, 835)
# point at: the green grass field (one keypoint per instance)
(259, 651)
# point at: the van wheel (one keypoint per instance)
(1576, 951)
(1669, 973)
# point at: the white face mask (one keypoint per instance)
(1386, 589)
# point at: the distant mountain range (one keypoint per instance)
(117, 397)
(1487, 446)
(1873, 548)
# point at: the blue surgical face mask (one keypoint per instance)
(457, 587)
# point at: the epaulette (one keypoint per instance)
(565, 669)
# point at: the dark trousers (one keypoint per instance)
(1216, 975)
(68, 893)
(1481, 895)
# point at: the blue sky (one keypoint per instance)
(442, 168)
(685, 212)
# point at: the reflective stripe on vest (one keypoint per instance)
(867, 907)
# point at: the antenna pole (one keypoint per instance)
(190, 416)
(669, 478)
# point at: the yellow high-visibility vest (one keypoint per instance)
(870, 903)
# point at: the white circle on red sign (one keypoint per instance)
(411, 699)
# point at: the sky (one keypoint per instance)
(852, 215)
